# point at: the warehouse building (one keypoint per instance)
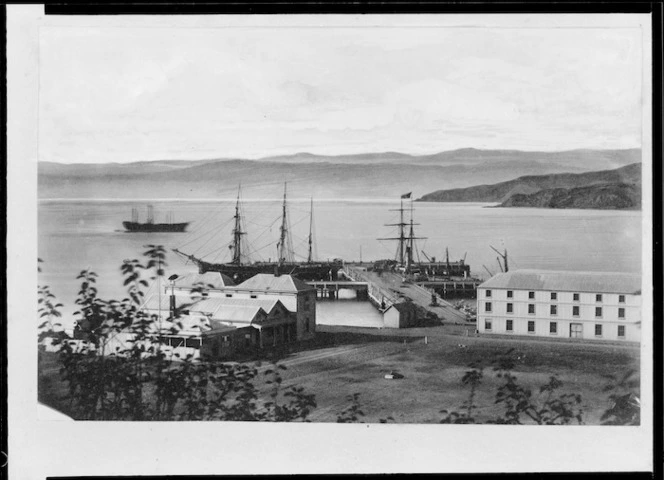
(295, 295)
(589, 305)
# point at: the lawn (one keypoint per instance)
(345, 361)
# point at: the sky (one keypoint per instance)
(110, 94)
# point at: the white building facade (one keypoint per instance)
(589, 305)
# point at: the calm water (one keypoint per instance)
(74, 235)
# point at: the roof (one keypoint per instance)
(562, 281)
(212, 304)
(219, 327)
(212, 280)
(281, 283)
(152, 302)
(237, 313)
(402, 306)
(186, 325)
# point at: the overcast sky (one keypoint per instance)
(130, 94)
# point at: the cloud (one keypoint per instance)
(138, 93)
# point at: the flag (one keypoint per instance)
(406, 195)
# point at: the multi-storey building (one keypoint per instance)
(591, 305)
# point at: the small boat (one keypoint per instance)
(149, 226)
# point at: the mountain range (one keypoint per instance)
(371, 175)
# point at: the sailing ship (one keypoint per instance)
(407, 259)
(240, 268)
(149, 226)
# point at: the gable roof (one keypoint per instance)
(154, 301)
(211, 304)
(213, 280)
(268, 282)
(563, 281)
(403, 306)
(237, 313)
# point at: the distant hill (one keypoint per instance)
(587, 158)
(531, 184)
(614, 196)
(372, 175)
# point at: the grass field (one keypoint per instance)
(345, 361)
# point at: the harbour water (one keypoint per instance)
(76, 235)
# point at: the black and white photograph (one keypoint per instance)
(365, 243)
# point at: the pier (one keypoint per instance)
(330, 289)
(387, 288)
(456, 288)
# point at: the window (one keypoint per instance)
(192, 342)
(487, 324)
(621, 331)
(553, 327)
(554, 309)
(487, 307)
(531, 326)
(509, 325)
(488, 294)
(575, 311)
(621, 313)
(598, 329)
(598, 297)
(621, 298)
(531, 294)
(229, 295)
(554, 296)
(598, 311)
(531, 308)
(510, 307)
(575, 296)
(510, 294)
(254, 296)
(306, 325)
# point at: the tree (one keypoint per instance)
(134, 379)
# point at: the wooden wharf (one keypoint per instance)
(330, 289)
(387, 288)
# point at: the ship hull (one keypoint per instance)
(304, 271)
(154, 227)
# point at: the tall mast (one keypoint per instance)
(411, 237)
(406, 243)
(310, 257)
(283, 248)
(237, 232)
(402, 238)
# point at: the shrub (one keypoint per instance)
(137, 380)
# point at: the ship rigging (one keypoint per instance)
(406, 246)
(241, 266)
